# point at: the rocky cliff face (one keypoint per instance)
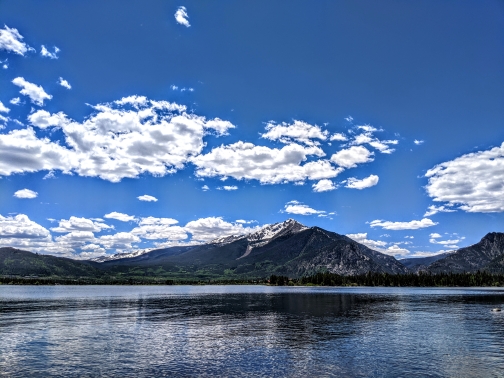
(476, 257)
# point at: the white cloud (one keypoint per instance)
(367, 182)
(412, 225)
(123, 139)
(64, 83)
(435, 235)
(20, 227)
(295, 207)
(120, 216)
(47, 54)
(159, 228)
(473, 181)
(15, 101)
(437, 209)
(299, 131)
(338, 137)
(11, 40)
(349, 119)
(447, 243)
(243, 221)
(207, 229)
(147, 198)
(418, 142)
(181, 16)
(395, 250)
(349, 158)
(367, 138)
(22, 151)
(3, 108)
(228, 188)
(80, 224)
(268, 165)
(122, 241)
(25, 193)
(43, 119)
(205, 188)
(324, 186)
(379, 245)
(362, 238)
(173, 87)
(35, 92)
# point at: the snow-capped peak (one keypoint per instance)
(124, 255)
(272, 231)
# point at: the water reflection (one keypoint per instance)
(249, 331)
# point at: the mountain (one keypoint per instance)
(118, 256)
(417, 264)
(287, 248)
(23, 263)
(487, 254)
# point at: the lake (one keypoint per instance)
(145, 331)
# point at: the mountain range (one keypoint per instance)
(287, 248)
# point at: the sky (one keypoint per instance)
(137, 125)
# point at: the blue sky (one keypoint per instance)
(128, 126)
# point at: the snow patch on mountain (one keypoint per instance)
(124, 255)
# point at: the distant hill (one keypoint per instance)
(487, 254)
(23, 263)
(287, 248)
(417, 264)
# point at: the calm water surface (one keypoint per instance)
(140, 331)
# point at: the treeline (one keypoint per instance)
(385, 279)
(17, 280)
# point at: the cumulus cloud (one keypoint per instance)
(25, 193)
(120, 216)
(35, 92)
(296, 207)
(64, 83)
(47, 54)
(121, 140)
(363, 239)
(350, 157)
(418, 142)
(338, 137)
(15, 101)
(147, 198)
(437, 209)
(22, 151)
(159, 228)
(412, 225)
(367, 182)
(435, 235)
(181, 16)
(298, 131)
(3, 108)
(120, 241)
(472, 181)
(80, 224)
(324, 186)
(268, 165)
(20, 227)
(379, 245)
(207, 229)
(205, 188)
(12, 41)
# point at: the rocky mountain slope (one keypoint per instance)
(488, 254)
(286, 248)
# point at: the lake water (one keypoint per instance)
(140, 331)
